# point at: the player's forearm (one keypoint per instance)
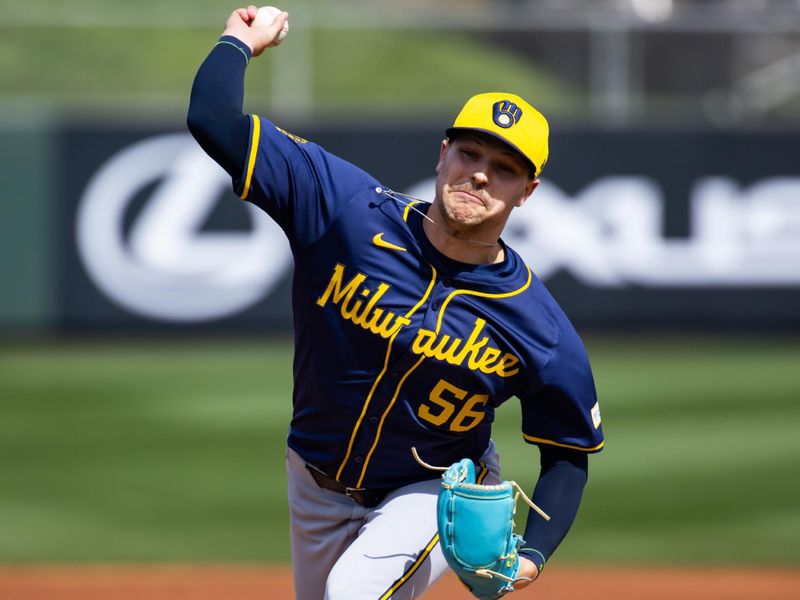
(215, 116)
(558, 492)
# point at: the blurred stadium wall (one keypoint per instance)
(672, 197)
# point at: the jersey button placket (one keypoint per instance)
(438, 297)
(369, 427)
(388, 386)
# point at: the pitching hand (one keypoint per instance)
(527, 568)
(258, 38)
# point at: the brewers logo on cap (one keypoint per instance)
(510, 119)
(506, 113)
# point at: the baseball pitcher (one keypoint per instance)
(413, 322)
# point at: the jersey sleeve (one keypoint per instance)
(300, 185)
(562, 410)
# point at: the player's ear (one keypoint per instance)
(532, 185)
(442, 153)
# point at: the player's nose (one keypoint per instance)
(479, 178)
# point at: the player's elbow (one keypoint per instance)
(198, 122)
(204, 118)
(214, 127)
(223, 139)
(207, 131)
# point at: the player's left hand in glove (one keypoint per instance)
(476, 531)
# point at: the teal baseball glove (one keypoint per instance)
(476, 530)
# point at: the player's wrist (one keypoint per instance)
(534, 557)
(235, 42)
(527, 573)
(528, 568)
(239, 38)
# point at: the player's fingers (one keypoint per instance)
(272, 31)
(277, 23)
(237, 17)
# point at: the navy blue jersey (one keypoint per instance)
(395, 344)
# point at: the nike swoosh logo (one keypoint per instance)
(381, 243)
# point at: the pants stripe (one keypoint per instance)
(483, 472)
(412, 569)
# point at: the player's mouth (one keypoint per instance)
(469, 196)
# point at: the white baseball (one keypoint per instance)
(264, 18)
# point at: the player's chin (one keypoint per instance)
(465, 217)
(466, 211)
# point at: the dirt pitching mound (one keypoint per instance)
(267, 583)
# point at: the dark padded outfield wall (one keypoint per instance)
(636, 229)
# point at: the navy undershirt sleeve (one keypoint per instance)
(215, 116)
(558, 493)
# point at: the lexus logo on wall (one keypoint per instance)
(164, 265)
(142, 238)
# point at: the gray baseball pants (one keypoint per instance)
(344, 551)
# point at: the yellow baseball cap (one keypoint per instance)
(510, 119)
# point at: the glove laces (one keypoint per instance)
(514, 484)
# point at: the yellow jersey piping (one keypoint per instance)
(536, 440)
(383, 418)
(482, 295)
(396, 393)
(251, 156)
(377, 381)
(408, 208)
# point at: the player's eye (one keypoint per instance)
(470, 154)
(506, 169)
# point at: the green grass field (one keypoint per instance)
(173, 451)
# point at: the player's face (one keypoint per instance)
(479, 181)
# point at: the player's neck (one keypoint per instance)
(457, 246)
